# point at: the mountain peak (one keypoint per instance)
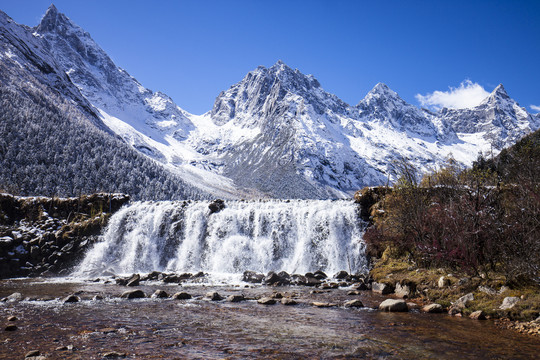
(381, 93)
(52, 20)
(500, 91)
(498, 94)
(52, 9)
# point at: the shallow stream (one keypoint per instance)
(201, 329)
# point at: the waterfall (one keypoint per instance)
(184, 236)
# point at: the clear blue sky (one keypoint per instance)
(192, 50)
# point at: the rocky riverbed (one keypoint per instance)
(67, 319)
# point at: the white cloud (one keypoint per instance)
(467, 95)
(535, 107)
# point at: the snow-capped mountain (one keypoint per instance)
(275, 133)
(499, 120)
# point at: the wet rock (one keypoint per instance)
(433, 308)
(266, 301)
(288, 301)
(133, 294)
(235, 298)
(354, 292)
(277, 295)
(177, 278)
(15, 297)
(274, 279)
(509, 302)
(10, 327)
(12, 318)
(216, 206)
(464, 300)
(252, 277)
(200, 274)
(134, 280)
(32, 353)
(323, 304)
(361, 286)
(478, 315)
(382, 288)
(312, 281)
(443, 282)
(393, 305)
(341, 275)
(70, 299)
(151, 276)
(185, 296)
(354, 303)
(125, 281)
(97, 298)
(320, 275)
(114, 355)
(160, 294)
(297, 279)
(214, 296)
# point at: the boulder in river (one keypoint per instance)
(341, 274)
(266, 301)
(133, 294)
(354, 303)
(252, 277)
(216, 206)
(214, 296)
(288, 301)
(160, 294)
(393, 305)
(183, 296)
(71, 299)
(235, 298)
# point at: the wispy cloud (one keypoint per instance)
(535, 107)
(468, 94)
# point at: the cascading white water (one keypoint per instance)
(292, 235)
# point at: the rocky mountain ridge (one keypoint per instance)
(277, 133)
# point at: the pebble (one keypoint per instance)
(12, 318)
(322, 304)
(114, 354)
(32, 353)
(10, 327)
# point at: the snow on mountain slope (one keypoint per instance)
(277, 133)
(499, 119)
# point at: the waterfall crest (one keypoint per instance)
(296, 236)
